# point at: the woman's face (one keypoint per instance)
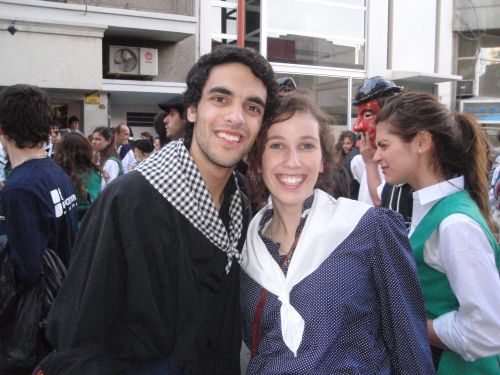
(346, 145)
(399, 160)
(157, 144)
(292, 159)
(139, 155)
(99, 143)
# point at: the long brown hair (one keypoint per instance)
(290, 103)
(460, 146)
(109, 150)
(74, 154)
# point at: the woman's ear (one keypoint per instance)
(191, 113)
(424, 141)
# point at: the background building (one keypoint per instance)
(111, 61)
(477, 47)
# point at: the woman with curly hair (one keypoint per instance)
(74, 154)
(329, 285)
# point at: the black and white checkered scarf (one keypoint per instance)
(173, 173)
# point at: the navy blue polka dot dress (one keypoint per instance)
(363, 307)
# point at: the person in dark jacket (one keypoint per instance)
(138, 299)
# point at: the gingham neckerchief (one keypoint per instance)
(173, 173)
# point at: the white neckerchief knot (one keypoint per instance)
(327, 226)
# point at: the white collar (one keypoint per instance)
(424, 199)
(440, 190)
(329, 222)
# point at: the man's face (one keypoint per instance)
(228, 116)
(55, 135)
(123, 135)
(174, 124)
(75, 125)
(367, 115)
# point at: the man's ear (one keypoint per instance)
(191, 113)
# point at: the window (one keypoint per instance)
(224, 22)
(330, 93)
(316, 32)
(140, 119)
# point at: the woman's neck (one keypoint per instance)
(283, 226)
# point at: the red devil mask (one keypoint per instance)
(367, 115)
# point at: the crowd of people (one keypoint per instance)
(243, 226)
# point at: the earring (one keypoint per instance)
(419, 150)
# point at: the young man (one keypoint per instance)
(154, 284)
(174, 119)
(38, 200)
(122, 135)
(74, 124)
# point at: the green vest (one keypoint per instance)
(438, 296)
(120, 166)
(92, 181)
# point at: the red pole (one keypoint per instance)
(241, 23)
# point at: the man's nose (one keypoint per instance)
(359, 125)
(235, 116)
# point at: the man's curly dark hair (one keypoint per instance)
(25, 115)
(198, 76)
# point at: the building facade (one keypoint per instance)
(112, 61)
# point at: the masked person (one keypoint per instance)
(154, 285)
(369, 98)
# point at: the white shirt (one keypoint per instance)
(111, 169)
(461, 250)
(128, 161)
(358, 170)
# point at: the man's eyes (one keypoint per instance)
(255, 108)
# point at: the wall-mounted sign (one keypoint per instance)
(94, 98)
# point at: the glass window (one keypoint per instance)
(330, 94)
(489, 67)
(467, 68)
(356, 83)
(224, 23)
(320, 33)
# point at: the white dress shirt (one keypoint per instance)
(128, 161)
(358, 170)
(461, 250)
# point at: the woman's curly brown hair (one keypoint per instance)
(290, 103)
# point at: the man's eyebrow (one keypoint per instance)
(220, 90)
(257, 100)
(225, 91)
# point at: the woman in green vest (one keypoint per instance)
(105, 154)
(443, 157)
(74, 154)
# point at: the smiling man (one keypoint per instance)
(154, 285)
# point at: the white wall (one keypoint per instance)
(377, 26)
(51, 56)
(413, 35)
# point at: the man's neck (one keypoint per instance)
(17, 156)
(216, 180)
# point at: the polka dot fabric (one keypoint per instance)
(363, 309)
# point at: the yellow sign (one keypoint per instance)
(92, 99)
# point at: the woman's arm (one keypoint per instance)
(403, 317)
(464, 253)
